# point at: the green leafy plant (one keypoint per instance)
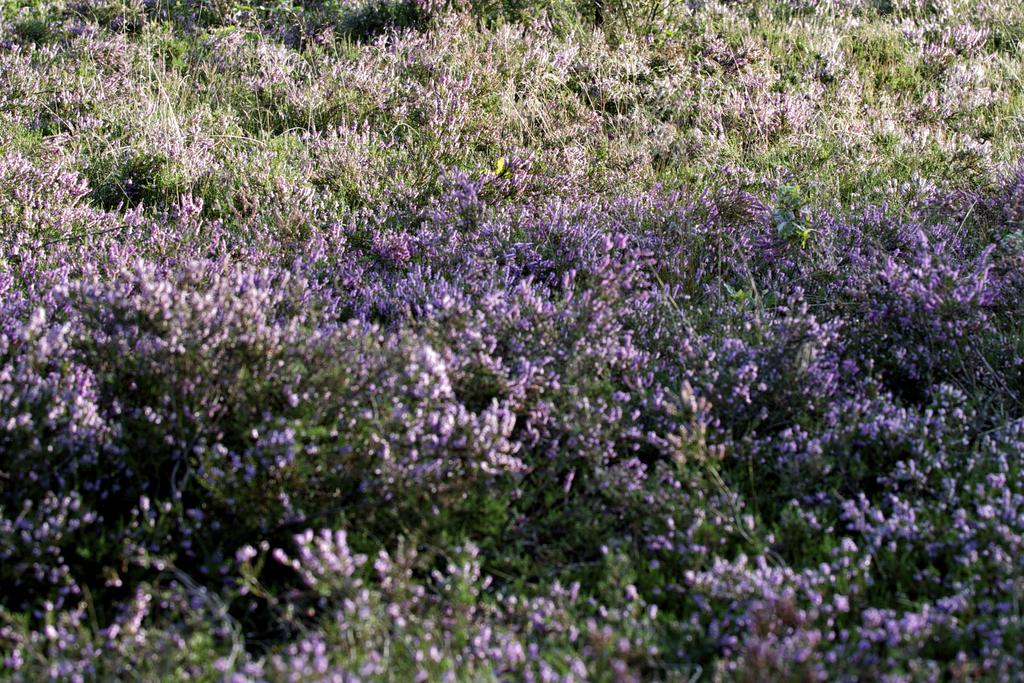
(788, 216)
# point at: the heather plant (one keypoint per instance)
(598, 340)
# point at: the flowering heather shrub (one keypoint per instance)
(571, 341)
(925, 314)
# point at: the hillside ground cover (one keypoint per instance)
(470, 340)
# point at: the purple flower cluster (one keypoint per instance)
(189, 398)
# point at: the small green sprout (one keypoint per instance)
(501, 167)
(738, 295)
